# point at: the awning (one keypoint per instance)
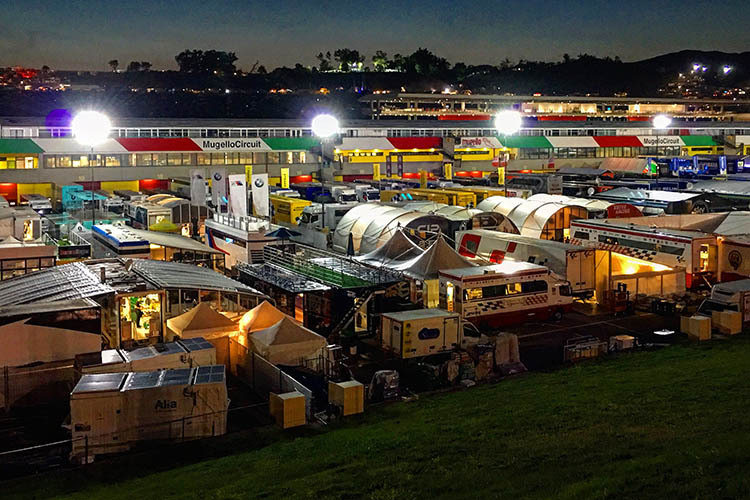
(173, 241)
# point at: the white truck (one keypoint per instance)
(320, 215)
(344, 194)
(730, 296)
(571, 262)
(367, 193)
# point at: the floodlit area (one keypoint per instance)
(364, 271)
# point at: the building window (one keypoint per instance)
(143, 160)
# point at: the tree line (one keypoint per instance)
(421, 62)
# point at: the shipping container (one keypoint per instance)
(111, 412)
(185, 353)
(412, 334)
(287, 210)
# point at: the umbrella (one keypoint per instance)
(350, 246)
(283, 233)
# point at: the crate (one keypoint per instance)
(700, 328)
(727, 322)
(288, 409)
(622, 342)
(350, 396)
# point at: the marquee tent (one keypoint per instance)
(202, 321)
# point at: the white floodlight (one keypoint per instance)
(91, 128)
(661, 122)
(508, 122)
(325, 126)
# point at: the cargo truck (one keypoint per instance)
(287, 210)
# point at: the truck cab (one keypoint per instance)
(344, 194)
(320, 215)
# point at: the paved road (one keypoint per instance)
(541, 344)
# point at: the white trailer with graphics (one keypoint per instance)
(571, 262)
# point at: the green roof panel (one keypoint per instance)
(292, 143)
(698, 140)
(19, 146)
(524, 141)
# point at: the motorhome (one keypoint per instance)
(503, 294)
(572, 262)
(38, 203)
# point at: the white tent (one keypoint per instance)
(260, 317)
(202, 321)
(439, 256)
(287, 342)
(398, 248)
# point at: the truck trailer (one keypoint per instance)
(572, 262)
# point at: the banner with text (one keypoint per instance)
(260, 194)
(232, 145)
(285, 178)
(238, 194)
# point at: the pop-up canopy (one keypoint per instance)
(202, 321)
(287, 342)
(260, 317)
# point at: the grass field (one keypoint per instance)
(673, 423)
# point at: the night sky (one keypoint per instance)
(76, 34)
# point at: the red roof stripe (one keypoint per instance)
(618, 141)
(416, 142)
(159, 144)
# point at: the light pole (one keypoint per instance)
(91, 128)
(507, 122)
(660, 122)
(324, 127)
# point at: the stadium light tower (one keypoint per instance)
(91, 128)
(660, 122)
(325, 127)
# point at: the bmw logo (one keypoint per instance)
(259, 183)
(218, 176)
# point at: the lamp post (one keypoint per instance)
(324, 127)
(660, 122)
(507, 122)
(91, 128)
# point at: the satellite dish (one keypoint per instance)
(591, 191)
(689, 185)
(128, 265)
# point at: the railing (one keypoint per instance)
(330, 268)
(243, 223)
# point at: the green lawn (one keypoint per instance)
(673, 423)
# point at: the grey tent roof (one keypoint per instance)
(172, 241)
(439, 256)
(398, 248)
(178, 275)
(69, 281)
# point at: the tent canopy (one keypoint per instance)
(201, 321)
(439, 256)
(287, 342)
(398, 248)
(260, 317)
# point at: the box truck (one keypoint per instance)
(572, 262)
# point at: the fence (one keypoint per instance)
(264, 377)
(26, 386)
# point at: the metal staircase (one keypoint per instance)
(348, 317)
